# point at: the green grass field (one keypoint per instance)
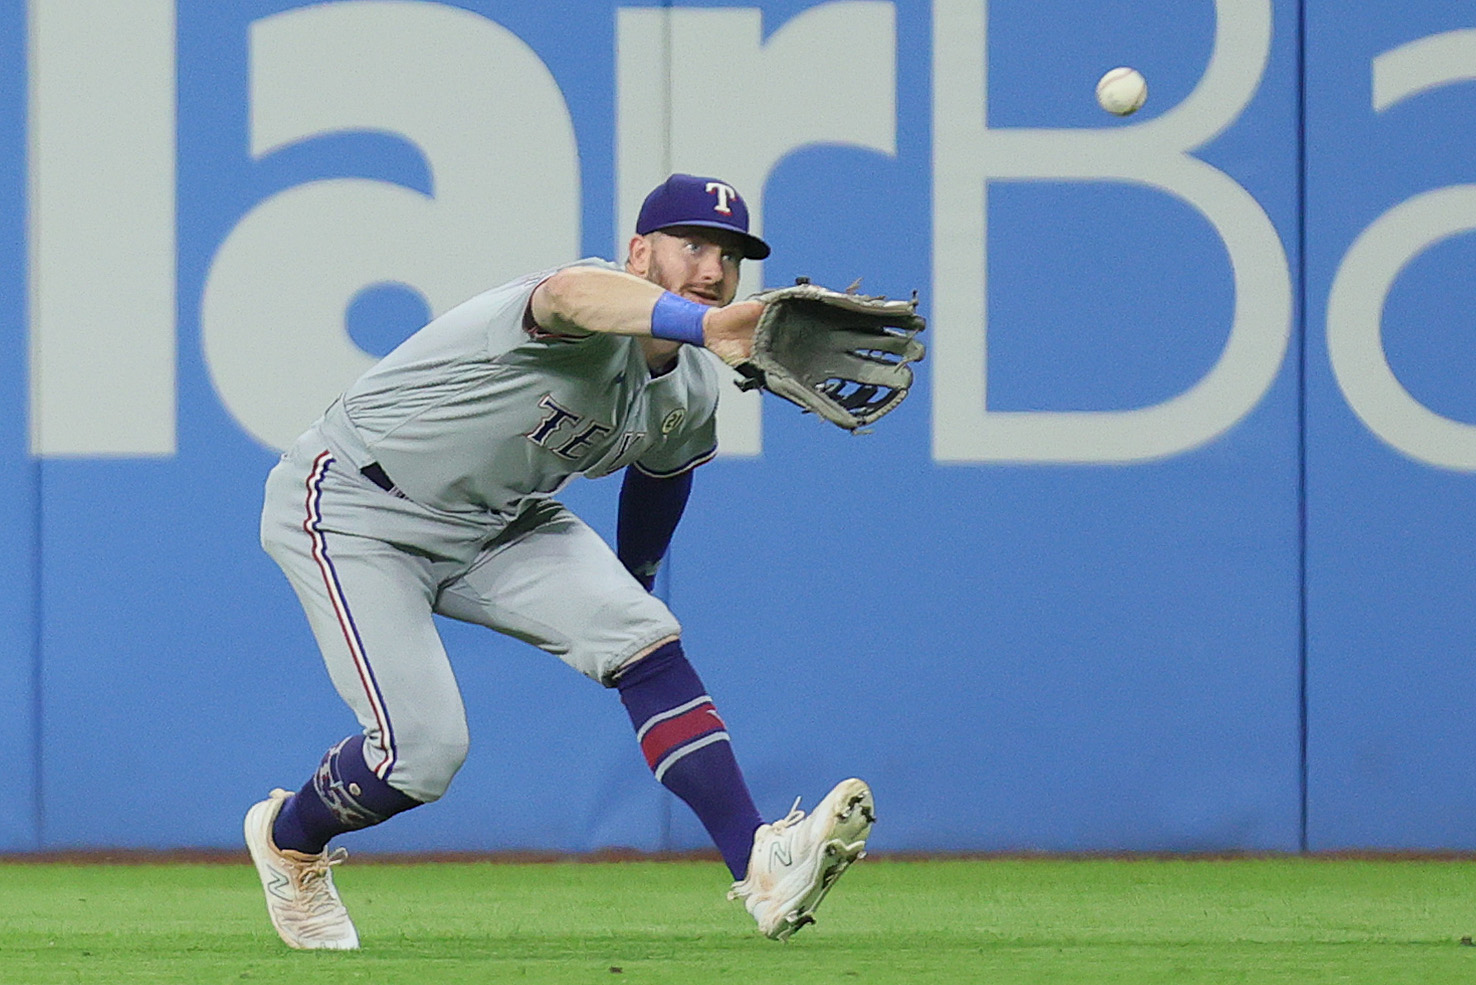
(1000, 922)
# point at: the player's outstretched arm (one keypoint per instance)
(581, 300)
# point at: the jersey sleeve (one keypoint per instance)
(505, 333)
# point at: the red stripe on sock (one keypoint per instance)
(678, 731)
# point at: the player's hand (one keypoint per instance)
(728, 331)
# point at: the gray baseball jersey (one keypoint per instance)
(475, 422)
(479, 412)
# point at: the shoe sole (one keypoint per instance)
(854, 812)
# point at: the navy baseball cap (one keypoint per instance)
(687, 200)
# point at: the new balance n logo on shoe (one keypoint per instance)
(279, 886)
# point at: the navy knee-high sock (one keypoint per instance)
(686, 745)
(343, 795)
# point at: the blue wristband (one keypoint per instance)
(677, 319)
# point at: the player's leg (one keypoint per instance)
(369, 606)
(686, 745)
(554, 582)
(782, 870)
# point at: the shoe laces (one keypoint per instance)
(314, 881)
(794, 816)
(748, 885)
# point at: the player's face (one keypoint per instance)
(699, 264)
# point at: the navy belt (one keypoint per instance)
(375, 474)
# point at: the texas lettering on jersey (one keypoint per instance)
(571, 436)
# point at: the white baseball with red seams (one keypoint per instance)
(1122, 91)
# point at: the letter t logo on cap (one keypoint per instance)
(724, 193)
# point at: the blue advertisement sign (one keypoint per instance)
(1163, 553)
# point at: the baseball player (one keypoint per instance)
(428, 488)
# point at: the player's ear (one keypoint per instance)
(639, 262)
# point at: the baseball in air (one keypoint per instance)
(1122, 91)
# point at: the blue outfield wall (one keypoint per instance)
(1391, 523)
(1170, 549)
(18, 500)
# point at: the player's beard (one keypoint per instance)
(676, 283)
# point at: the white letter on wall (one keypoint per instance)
(102, 244)
(967, 155)
(495, 130)
(1355, 306)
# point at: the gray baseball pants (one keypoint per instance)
(371, 568)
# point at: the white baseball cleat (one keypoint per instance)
(796, 860)
(300, 895)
